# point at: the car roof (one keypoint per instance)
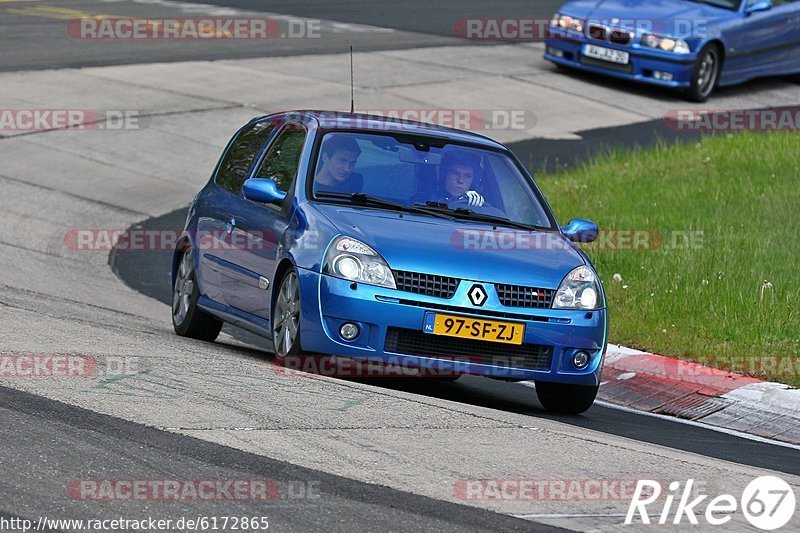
(338, 120)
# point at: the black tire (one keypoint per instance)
(187, 319)
(706, 74)
(286, 317)
(565, 399)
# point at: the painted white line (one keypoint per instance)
(677, 420)
(694, 423)
(616, 353)
(558, 515)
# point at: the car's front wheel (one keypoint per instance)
(286, 317)
(564, 398)
(187, 319)
(705, 75)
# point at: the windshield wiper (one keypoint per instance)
(434, 209)
(469, 214)
(361, 199)
(365, 199)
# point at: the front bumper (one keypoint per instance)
(384, 315)
(643, 66)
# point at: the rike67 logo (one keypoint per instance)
(768, 503)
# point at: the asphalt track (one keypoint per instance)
(185, 417)
(419, 16)
(77, 443)
(32, 31)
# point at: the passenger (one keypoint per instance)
(335, 174)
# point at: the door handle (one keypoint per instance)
(230, 225)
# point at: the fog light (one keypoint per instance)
(555, 52)
(663, 76)
(580, 359)
(348, 331)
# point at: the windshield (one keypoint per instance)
(418, 171)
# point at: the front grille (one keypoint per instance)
(427, 284)
(595, 31)
(620, 36)
(520, 296)
(414, 342)
(483, 312)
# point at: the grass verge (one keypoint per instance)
(703, 261)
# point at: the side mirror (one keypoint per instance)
(763, 5)
(580, 230)
(263, 190)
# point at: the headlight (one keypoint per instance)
(579, 290)
(350, 259)
(565, 22)
(679, 46)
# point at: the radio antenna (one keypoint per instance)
(352, 97)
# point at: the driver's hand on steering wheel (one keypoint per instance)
(473, 198)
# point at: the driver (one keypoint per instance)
(459, 170)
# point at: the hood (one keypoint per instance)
(461, 249)
(663, 17)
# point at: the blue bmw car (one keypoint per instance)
(364, 237)
(691, 45)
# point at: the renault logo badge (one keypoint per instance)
(477, 295)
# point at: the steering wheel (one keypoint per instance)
(485, 209)
(460, 202)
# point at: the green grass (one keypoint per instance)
(734, 300)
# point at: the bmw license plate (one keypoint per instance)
(474, 328)
(606, 54)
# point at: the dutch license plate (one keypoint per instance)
(606, 54)
(474, 328)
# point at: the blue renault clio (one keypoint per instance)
(368, 238)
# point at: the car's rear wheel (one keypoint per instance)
(187, 319)
(286, 317)
(705, 75)
(564, 398)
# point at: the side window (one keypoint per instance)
(239, 158)
(283, 159)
